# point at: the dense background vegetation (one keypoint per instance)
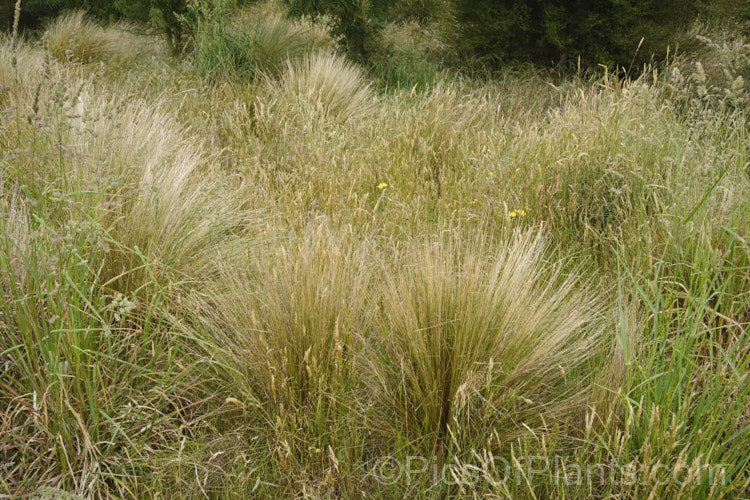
(161, 14)
(254, 267)
(608, 32)
(544, 32)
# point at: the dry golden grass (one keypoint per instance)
(20, 78)
(322, 87)
(290, 319)
(75, 37)
(473, 337)
(238, 288)
(277, 39)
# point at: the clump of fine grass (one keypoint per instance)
(276, 39)
(89, 365)
(19, 77)
(171, 220)
(472, 339)
(138, 171)
(75, 37)
(322, 87)
(289, 321)
(284, 328)
(245, 44)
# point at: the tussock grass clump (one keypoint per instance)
(250, 42)
(284, 329)
(136, 170)
(170, 219)
(322, 87)
(23, 74)
(471, 339)
(277, 39)
(75, 37)
(290, 320)
(94, 182)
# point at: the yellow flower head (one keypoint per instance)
(513, 213)
(382, 185)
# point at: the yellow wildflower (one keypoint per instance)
(382, 185)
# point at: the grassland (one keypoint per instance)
(275, 275)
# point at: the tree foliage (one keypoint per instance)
(356, 25)
(418, 10)
(611, 32)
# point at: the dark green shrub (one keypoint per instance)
(355, 25)
(728, 12)
(418, 10)
(621, 33)
(162, 15)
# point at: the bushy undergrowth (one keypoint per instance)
(258, 40)
(298, 286)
